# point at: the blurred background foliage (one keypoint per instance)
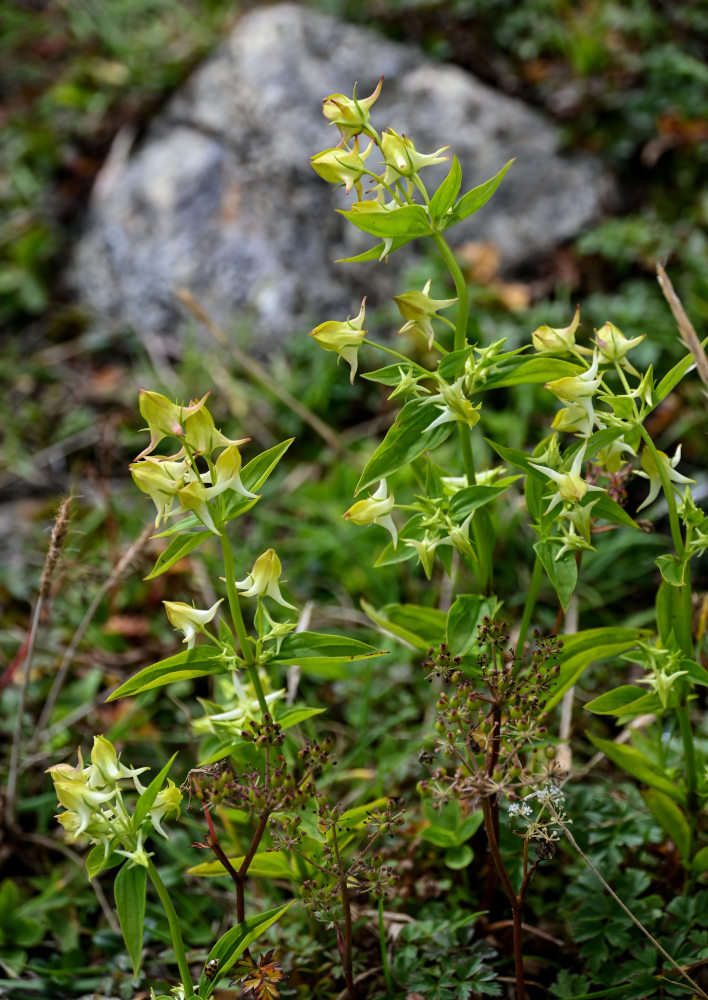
(624, 79)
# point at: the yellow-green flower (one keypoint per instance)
(376, 510)
(350, 114)
(263, 579)
(188, 619)
(344, 339)
(547, 339)
(419, 309)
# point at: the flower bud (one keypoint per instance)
(342, 166)
(343, 338)
(263, 579)
(376, 510)
(418, 309)
(350, 115)
(188, 619)
(403, 159)
(547, 339)
(164, 418)
(612, 344)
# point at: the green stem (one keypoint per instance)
(388, 350)
(460, 287)
(668, 492)
(238, 626)
(175, 931)
(532, 595)
(384, 954)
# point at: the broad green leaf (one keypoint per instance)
(601, 439)
(583, 648)
(129, 891)
(294, 715)
(696, 673)
(699, 865)
(391, 374)
(628, 700)
(671, 819)
(673, 377)
(405, 441)
(669, 613)
(419, 626)
(147, 799)
(199, 662)
(453, 364)
(525, 371)
(458, 857)
(609, 510)
(640, 767)
(96, 862)
(471, 497)
(370, 217)
(357, 816)
(519, 459)
(673, 569)
(322, 654)
(448, 191)
(563, 572)
(534, 489)
(478, 196)
(464, 618)
(448, 827)
(266, 864)
(178, 548)
(230, 946)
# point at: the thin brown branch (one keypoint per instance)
(686, 330)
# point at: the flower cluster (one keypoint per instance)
(96, 810)
(178, 479)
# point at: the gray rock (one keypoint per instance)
(219, 196)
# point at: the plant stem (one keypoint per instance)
(460, 287)
(531, 596)
(701, 993)
(514, 902)
(346, 944)
(384, 955)
(239, 628)
(175, 931)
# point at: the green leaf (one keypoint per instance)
(458, 857)
(147, 799)
(369, 216)
(669, 612)
(453, 364)
(96, 863)
(609, 510)
(129, 891)
(266, 864)
(230, 946)
(200, 662)
(563, 572)
(294, 715)
(448, 191)
(413, 528)
(357, 816)
(640, 767)
(178, 548)
(419, 626)
(628, 701)
(673, 377)
(471, 497)
(673, 569)
(583, 648)
(322, 654)
(404, 442)
(525, 371)
(699, 865)
(464, 618)
(696, 673)
(671, 820)
(391, 374)
(476, 197)
(378, 252)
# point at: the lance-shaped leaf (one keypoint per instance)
(265, 864)
(640, 767)
(200, 662)
(464, 618)
(563, 572)
(469, 498)
(177, 549)
(476, 197)
(230, 946)
(404, 442)
(583, 648)
(129, 891)
(408, 221)
(324, 655)
(421, 627)
(378, 252)
(445, 196)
